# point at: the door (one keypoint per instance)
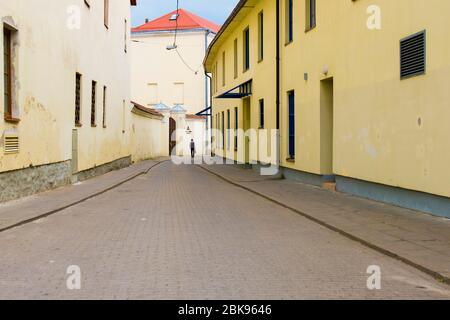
(326, 126)
(246, 128)
(291, 143)
(172, 135)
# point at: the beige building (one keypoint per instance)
(166, 68)
(66, 108)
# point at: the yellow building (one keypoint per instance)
(65, 107)
(357, 90)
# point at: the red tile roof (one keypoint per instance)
(195, 117)
(186, 21)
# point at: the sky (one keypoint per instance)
(215, 10)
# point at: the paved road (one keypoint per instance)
(181, 233)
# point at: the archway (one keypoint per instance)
(172, 135)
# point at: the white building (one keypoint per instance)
(65, 106)
(167, 67)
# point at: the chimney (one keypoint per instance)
(146, 20)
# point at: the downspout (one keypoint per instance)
(208, 77)
(278, 82)
(208, 80)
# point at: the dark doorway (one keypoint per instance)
(291, 126)
(326, 126)
(172, 135)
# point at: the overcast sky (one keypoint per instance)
(215, 10)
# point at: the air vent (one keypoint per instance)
(413, 55)
(11, 143)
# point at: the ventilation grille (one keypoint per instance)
(11, 143)
(413, 55)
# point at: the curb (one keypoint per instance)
(49, 213)
(439, 277)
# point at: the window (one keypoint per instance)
(78, 99)
(223, 69)
(223, 130)
(261, 114)
(310, 14)
(246, 49)
(235, 58)
(104, 106)
(228, 129)
(261, 36)
(7, 72)
(94, 104)
(217, 131)
(106, 13)
(413, 55)
(236, 128)
(289, 21)
(291, 120)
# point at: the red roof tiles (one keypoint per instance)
(186, 21)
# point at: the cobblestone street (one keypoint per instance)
(179, 232)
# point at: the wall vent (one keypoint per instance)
(413, 55)
(11, 143)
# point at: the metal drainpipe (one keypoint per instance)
(208, 81)
(278, 81)
(208, 77)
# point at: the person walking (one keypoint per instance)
(192, 148)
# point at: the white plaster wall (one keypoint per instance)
(48, 56)
(151, 62)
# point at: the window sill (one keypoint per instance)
(288, 43)
(309, 29)
(78, 125)
(291, 160)
(12, 120)
(93, 126)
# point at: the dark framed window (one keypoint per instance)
(236, 128)
(310, 14)
(106, 13)
(289, 21)
(235, 58)
(228, 129)
(223, 68)
(261, 114)
(261, 36)
(94, 104)
(246, 49)
(7, 72)
(223, 130)
(291, 120)
(78, 79)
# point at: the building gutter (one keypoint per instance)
(224, 27)
(278, 73)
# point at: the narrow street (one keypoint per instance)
(179, 232)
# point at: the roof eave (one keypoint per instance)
(224, 27)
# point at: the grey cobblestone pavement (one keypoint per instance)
(182, 233)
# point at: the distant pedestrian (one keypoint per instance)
(192, 148)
